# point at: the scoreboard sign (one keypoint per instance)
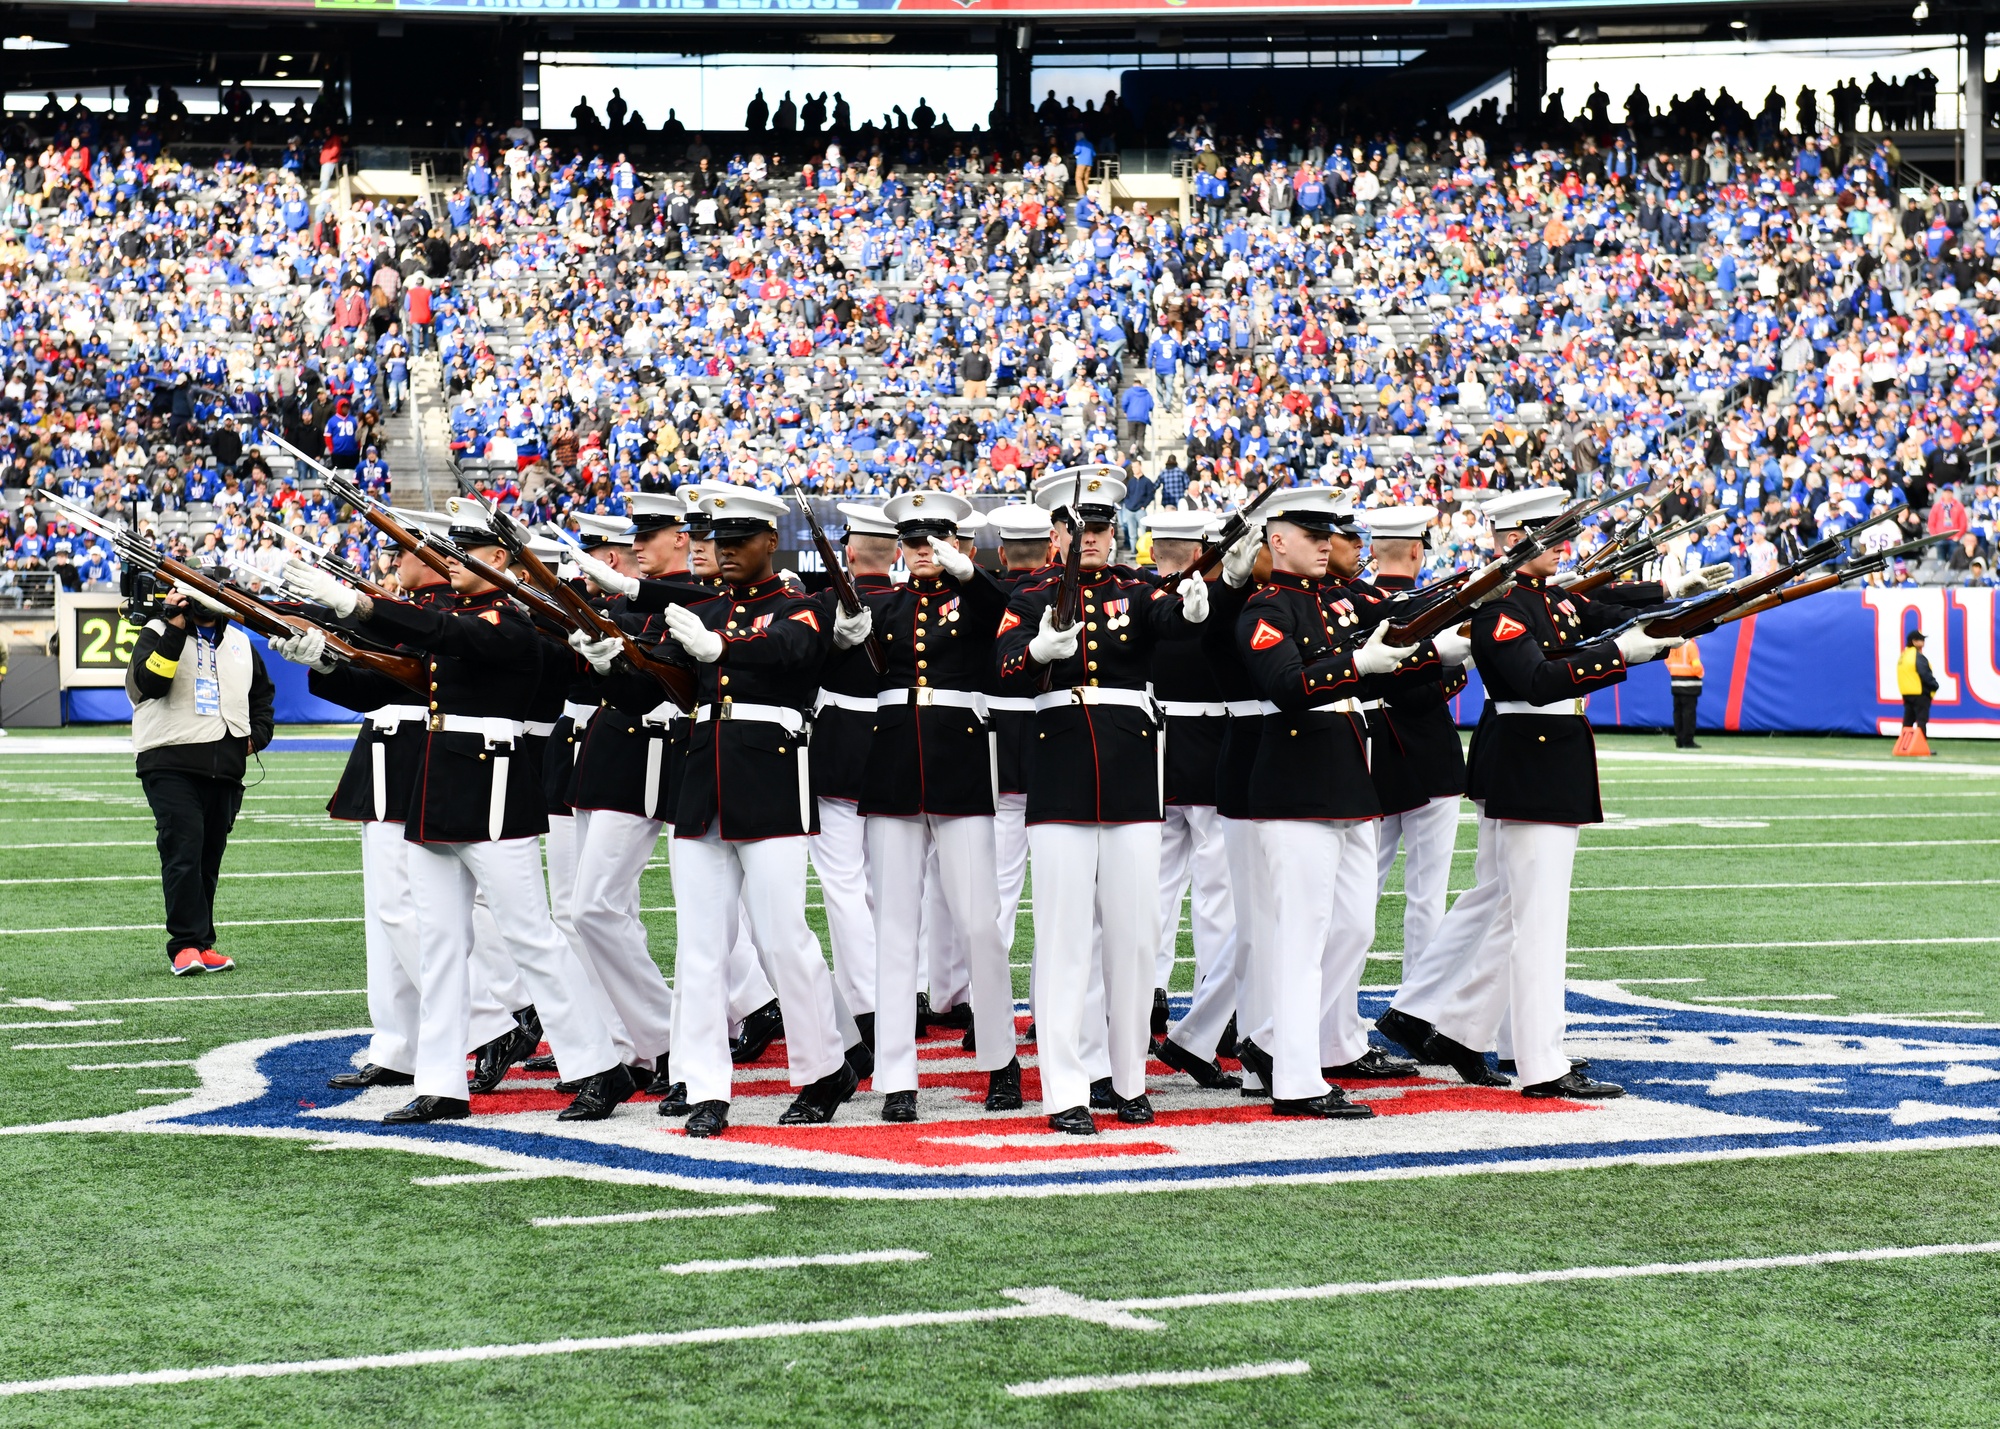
(94, 641)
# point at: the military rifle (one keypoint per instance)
(1233, 530)
(843, 585)
(1858, 569)
(1069, 589)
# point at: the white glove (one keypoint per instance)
(1240, 559)
(600, 653)
(1194, 599)
(792, 580)
(207, 601)
(1453, 648)
(606, 578)
(308, 647)
(850, 630)
(1505, 586)
(956, 563)
(1717, 576)
(1565, 579)
(1378, 657)
(695, 638)
(1687, 584)
(1638, 647)
(311, 583)
(1051, 644)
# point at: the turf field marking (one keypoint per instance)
(480, 1178)
(1774, 997)
(123, 1066)
(57, 1005)
(152, 843)
(1899, 795)
(165, 1091)
(1041, 1303)
(1156, 1379)
(161, 927)
(1735, 847)
(42, 1026)
(155, 878)
(1652, 981)
(795, 1262)
(74, 1046)
(1817, 943)
(1782, 761)
(685, 1213)
(1616, 820)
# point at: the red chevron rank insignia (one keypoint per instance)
(1008, 622)
(806, 617)
(1507, 628)
(1265, 636)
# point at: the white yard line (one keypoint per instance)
(161, 927)
(123, 1066)
(1749, 845)
(795, 1262)
(1156, 1379)
(480, 1178)
(77, 1046)
(1783, 761)
(685, 1213)
(152, 843)
(155, 877)
(1041, 1303)
(44, 1026)
(1721, 795)
(1774, 997)
(53, 1004)
(1814, 943)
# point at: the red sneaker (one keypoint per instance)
(186, 962)
(214, 962)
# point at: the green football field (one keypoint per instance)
(1784, 873)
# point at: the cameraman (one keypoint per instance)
(201, 705)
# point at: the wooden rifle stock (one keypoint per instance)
(843, 585)
(1232, 531)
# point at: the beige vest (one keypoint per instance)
(173, 720)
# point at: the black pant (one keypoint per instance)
(1685, 698)
(1917, 711)
(193, 815)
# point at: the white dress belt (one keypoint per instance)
(580, 714)
(541, 728)
(1243, 709)
(857, 704)
(1560, 707)
(1331, 707)
(491, 728)
(1017, 704)
(784, 715)
(388, 717)
(1194, 709)
(661, 715)
(1095, 695)
(922, 695)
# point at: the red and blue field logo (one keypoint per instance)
(1702, 1084)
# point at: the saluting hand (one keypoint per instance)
(697, 639)
(954, 562)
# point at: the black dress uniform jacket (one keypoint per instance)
(402, 749)
(1014, 729)
(1095, 764)
(1236, 752)
(937, 634)
(485, 660)
(841, 736)
(617, 769)
(1534, 645)
(1418, 721)
(1183, 675)
(1418, 689)
(750, 777)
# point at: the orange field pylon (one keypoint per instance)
(1912, 744)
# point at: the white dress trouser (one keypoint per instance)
(1318, 946)
(840, 857)
(715, 885)
(612, 850)
(944, 956)
(498, 990)
(898, 851)
(1250, 893)
(394, 1007)
(1010, 850)
(1518, 969)
(1192, 858)
(1439, 974)
(443, 881)
(560, 844)
(1428, 835)
(1110, 872)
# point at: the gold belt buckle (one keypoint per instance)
(725, 710)
(924, 695)
(435, 724)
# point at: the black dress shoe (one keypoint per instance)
(924, 1013)
(760, 1029)
(1372, 1065)
(1575, 1086)
(1257, 1062)
(1205, 1074)
(861, 1057)
(864, 1023)
(1506, 1066)
(1331, 1107)
(708, 1119)
(1030, 1034)
(491, 1063)
(429, 1109)
(599, 1096)
(957, 1018)
(530, 1022)
(642, 1077)
(370, 1075)
(1470, 1065)
(1159, 1012)
(1077, 1121)
(674, 1100)
(1003, 1088)
(817, 1102)
(1136, 1111)
(970, 1042)
(546, 1062)
(1412, 1034)
(899, 1106)
(571, 1087)
(1102, 1097)
(1225, 1045)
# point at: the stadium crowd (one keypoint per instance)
(1772, 327)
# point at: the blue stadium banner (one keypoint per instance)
(1826, 665)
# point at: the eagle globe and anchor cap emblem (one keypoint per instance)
(1703, 1083)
